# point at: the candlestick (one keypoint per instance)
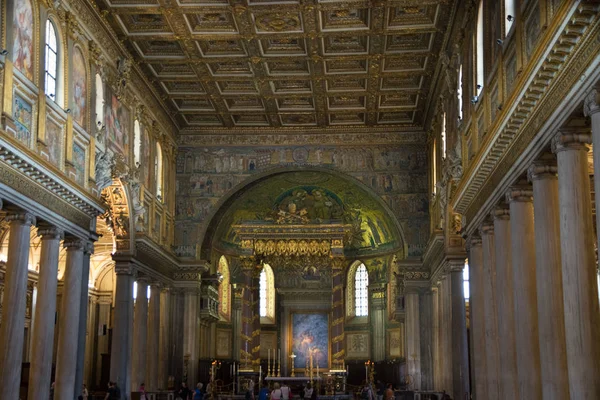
(268, 360)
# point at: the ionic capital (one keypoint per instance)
(591, 103)
(475, 241)
(74, 244)
(486, 228)
(21, 217)
(124, 268)
(88, 248)
(456, 265)
(521, 193)
(143, 280)
(544, 168)
(571, 140)
(500, 213)
(50, 233)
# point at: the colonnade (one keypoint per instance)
(535, 318)
(71, 338)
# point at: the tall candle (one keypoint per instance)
(268, 360)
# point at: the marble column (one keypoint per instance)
(377, 319)
(490, 313)
(591, 109)
(236, 320)
(66, 358)
(120, 352)
(163, 349)
(553, 351)
(505, 304)
(45, 311)
(140, 331)
(435, 327)
(425, 331)
(447, 334)
(580, 290)
(460, 352)
(248, 271)
(83, 317)
(413, 338)
(522, 236)
(191, 343)
(13, 308)
(153, 344)
(477, 319)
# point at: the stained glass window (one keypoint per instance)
(51, 60)
(361, 284)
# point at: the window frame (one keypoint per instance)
(56, 52)
(269, 295)
(351, 289)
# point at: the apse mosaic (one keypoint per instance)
(396, 174)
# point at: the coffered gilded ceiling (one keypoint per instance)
(313, 63)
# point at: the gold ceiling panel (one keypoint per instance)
(286, 63)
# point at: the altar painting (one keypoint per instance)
(310, 333)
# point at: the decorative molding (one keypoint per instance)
(575, 44)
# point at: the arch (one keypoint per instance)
(79, 81)
(267, 295)
(137, 143)
(208, 228)
(23, 50)
(51, 61)
(357, 282)
(224, 289)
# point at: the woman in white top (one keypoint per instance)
(276, 393)
(308, 391)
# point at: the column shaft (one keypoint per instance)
(506, 307)
(447, 335)
(83, 318)
(490, 314)
(435, 294)
(68, 338)
(153, 345)
(337, 311)
(163, 350)
(120, 352)
(13, 314)
(413, 343)
(190, 335)
(45, 311)
(553, 351)
(524, 283)
(140, 330)
(425, 331)
(580, 291)
(476, 313)
(460, 357)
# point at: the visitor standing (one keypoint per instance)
(276, 393)
(285, 392)
(198, 395)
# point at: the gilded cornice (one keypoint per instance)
(97, 27)
(569, 47)
(20, 172)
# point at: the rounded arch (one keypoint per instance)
(267, 294)
(61, 58)
(119, 218)
(351, 288)
(224, 289)
(208, 228)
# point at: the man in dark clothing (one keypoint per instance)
(380, 390)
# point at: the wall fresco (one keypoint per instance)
(23, 38)
(54, 142)
(396, 173)
(79, 163)
(22, 112)
(79, 107)
(117, 124)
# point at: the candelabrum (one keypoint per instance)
(293, 356)
(279, 368)
(369, 371)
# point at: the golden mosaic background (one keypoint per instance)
(220, 63)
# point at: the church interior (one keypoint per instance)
(345, 193)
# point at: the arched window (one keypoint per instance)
(357, 298)
(99, 101)
(158, 171)
(137, 143)
(224, 292)
(459, 92)
(509, 15)
(361, 284)
(51, 60)
(443, 136)
(434, 166)
(479, 51)
(267, 295)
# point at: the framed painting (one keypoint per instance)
(54, 136)
(223, 343)
(79, 163)
(79, 107)
(23, 31)
(309, 333)
(23, 115)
